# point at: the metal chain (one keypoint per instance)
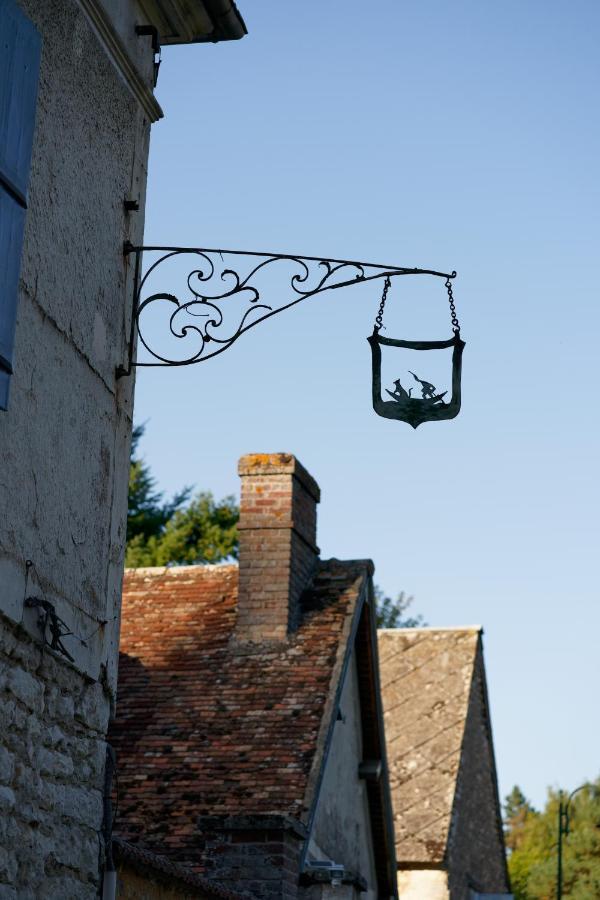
(379, 317)
(453, 318)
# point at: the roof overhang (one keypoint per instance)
(362, 640)
(194, 21)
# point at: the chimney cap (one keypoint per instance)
(278, 464)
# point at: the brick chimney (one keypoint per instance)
(277, 551)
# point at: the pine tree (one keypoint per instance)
(516, 811)
(147, 514)
(180, 531)
(392, 613)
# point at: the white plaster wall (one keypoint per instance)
(342, 827)
(423, 884)
(124, 18)
(64, 441)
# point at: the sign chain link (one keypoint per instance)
(453, 318)
(379, 317)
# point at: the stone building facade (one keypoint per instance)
(449, 837)
(76, 106)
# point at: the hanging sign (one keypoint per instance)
(416, 400)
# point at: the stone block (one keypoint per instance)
(8, 641)
(7, 715)
(60, 707)
(8, 865)
(33, 815)
(56, 738)
(33, 736)
(26, 688)
(7, 798)
(90, 760)
(7, 765)
(26, 653)
(28, 783)
(93, 709)
(75, 849)
(68, 889)
(51, 763)
(77, 803)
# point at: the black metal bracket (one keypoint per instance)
(48, 620)
(227, 290)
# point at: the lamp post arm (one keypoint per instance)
(563, 829)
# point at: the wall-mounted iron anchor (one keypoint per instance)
(131, 204)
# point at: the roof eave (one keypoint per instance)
(164, 870)
(387, 868)
(379, 794)
(195, 21)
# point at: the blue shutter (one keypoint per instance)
(20, 49)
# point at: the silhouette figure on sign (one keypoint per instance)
(427, 389)
(399, 392)
(401, 395)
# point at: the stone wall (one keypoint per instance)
(259, 856)
(64, 441)
(475, 850)
(52, 721)
(64, 445)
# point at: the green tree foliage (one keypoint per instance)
(178, 532)
(517, 810)
(392, 613)
(532, 838)
(147, 515)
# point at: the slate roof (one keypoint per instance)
(207, 726)
(426, 677)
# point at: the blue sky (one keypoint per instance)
(429, 134)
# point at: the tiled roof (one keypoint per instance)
(206, 725)
(161, 869)
(426, 677)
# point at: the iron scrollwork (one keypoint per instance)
(226, 284)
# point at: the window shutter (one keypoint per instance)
(20, 50)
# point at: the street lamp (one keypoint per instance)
(563, 829)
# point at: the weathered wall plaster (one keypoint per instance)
(64, 445)
(423, 884)
(64, 441)
(342, 827)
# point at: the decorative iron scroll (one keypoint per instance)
(227, 292)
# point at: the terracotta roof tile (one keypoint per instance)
(209, 726)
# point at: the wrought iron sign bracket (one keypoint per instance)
(227, 293)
